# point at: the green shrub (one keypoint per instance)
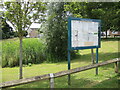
(33, 52)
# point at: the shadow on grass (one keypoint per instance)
(113, 82)
(102, 57)
(111, 39)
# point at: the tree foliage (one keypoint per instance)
(56, 32)
(108, 12)
(23, 14)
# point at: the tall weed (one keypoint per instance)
(33, 52)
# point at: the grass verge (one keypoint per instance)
(107, 78)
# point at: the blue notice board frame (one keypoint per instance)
(85, 47)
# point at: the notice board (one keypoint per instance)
(83, 33)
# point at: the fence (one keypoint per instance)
(51, 76)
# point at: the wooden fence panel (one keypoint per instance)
(58, 74)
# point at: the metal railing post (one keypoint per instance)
(51, 80)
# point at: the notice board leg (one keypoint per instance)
(97, 60)
(92, 53)
(69, 80)
(68, 67)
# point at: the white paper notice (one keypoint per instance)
(84, 33)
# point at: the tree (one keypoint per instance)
(108, 12)
(21, 15)
(111, 16)
(56, 32)
(53, 31)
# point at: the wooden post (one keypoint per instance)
(51, 81)
(119, 67)
(92, 53)
(116, 67)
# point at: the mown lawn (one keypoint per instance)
(107, 78)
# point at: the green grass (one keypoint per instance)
(107, 78)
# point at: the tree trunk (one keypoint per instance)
(20, 60)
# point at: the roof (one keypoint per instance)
(9, 23)
(35, 25)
